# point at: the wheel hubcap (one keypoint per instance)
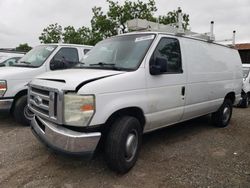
(131, 145)
(226, 114)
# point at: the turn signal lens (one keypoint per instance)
(87, 107)
(3, 87)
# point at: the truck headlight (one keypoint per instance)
(78, 109)
(3, 87)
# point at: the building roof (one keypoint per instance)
(243, 46)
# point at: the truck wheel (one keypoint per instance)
(123, 143)
(245, 101)
(21, 113)
(222, 117)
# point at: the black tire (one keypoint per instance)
(222, 117)
(245, 101)
(117, 156)
(20, 112)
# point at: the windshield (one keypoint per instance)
(36, 57)
(245, 72)
(119, 53)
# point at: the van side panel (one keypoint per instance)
(212, 72)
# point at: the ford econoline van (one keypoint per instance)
(132, 84)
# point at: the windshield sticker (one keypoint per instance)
(149, 37)
(49, 48)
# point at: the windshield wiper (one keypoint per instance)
(107, 65)
(102, 64)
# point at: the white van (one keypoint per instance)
(43, 58)
(246, 86)
(133, 84)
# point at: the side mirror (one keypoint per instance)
(158, 66)
(56, 64)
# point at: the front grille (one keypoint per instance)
(45, 103)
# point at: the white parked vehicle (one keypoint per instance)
(246, 86)
(133, 84)
(10, 59)
(43, 58)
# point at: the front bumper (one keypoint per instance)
(5, 105)
(64, 140)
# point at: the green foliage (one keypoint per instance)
(23, 48)
(172, 17)
(51, 34)
(104, 25)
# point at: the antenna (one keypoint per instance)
(233, 40)
(211, 36)
(180, 30)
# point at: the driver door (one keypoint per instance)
(166, 92)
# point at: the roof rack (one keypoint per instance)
(176, 28)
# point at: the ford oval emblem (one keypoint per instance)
(38, 100)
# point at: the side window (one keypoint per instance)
(85, 51)
(65, 58)
(67, 54)
(168, 50)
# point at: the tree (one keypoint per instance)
(115, 19)
(72, 36)
(172, 17)
(23, 48)
(51, 34)
(104, 25)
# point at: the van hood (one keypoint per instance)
(17, 73)
(72, 79)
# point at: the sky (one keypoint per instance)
(22, 21)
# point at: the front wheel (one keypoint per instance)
(222, 117)
(123, 143)
(21, 112)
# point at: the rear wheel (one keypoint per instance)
(21, 112)
(123, 143)
(222, 117)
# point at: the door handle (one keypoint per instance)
(183, 89)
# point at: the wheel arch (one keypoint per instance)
(17, 96)
(129, 111)
(230, 96)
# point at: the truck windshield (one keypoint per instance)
(118, 53)
(245, 72)
(36, 57)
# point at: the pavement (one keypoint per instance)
(189, 154)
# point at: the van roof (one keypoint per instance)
(62, 44)
(171, 34)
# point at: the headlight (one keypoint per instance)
(3, 87)
(78, 109)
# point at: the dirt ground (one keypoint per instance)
(191, 154)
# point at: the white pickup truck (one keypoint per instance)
(43, 58)
(246, 86)
(132, 84)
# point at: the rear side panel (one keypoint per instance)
(213, 71)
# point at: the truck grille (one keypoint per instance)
(45, 102)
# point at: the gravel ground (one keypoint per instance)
(191, 154)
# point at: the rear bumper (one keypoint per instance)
(64, 140)
(5, 105)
